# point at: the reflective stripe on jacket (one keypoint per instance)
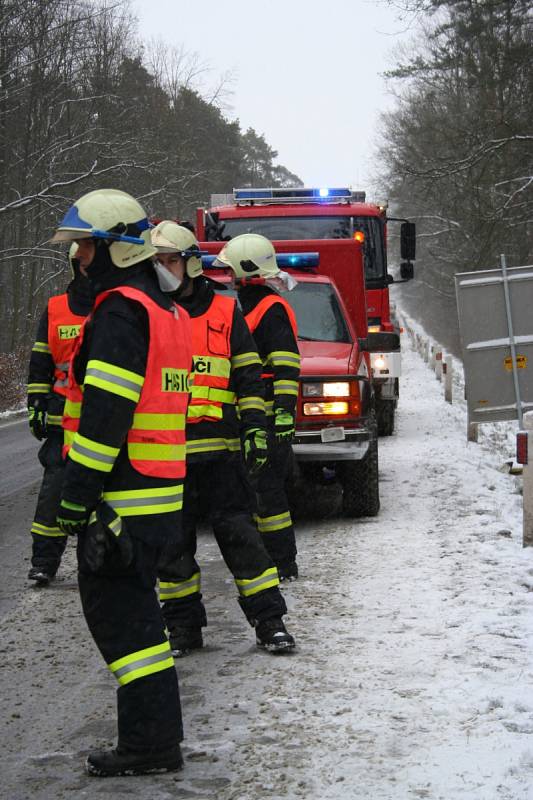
(211, 334)
(63, 331)
(156, 439)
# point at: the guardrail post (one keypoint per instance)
(438, 365)
(426, 351)
(432, 356)
(472, 430)
(527, 475)
(447, 369)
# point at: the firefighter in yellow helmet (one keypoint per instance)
(122, 493)
(226, 406)
(50, 357)
(272, 323)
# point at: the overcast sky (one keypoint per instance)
(306, 72)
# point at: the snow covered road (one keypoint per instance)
(413, 675)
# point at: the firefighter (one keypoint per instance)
(272, 323)
(47, 386)
(226, 404)
(122, 492)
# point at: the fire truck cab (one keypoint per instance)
(311, 214)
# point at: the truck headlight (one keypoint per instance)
(320, 409)
(380, 362)
(329, 389)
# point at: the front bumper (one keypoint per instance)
(309, 445)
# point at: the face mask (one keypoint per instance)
(166, 279)
(282, 282)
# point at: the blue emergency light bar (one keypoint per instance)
(284, 260)
(292, 195)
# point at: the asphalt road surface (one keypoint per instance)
(20, 474)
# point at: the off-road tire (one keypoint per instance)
(386, 417)
(360, 484)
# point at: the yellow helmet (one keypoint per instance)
(111, 215)
(169, 237)
(249, 255)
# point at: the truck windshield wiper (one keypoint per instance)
(309, 338)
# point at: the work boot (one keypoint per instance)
(41, 576)
(272, 635)
(288, 571)
(183, 640)
(113, 763)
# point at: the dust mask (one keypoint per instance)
(166, 279)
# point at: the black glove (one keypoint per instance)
(255, 450)
(106, 532)
(37, 417)
(72, 518)
(283, 425)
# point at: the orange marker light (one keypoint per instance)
(359, 236)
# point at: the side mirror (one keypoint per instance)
(407, 271)
(408, 241)
(378, 342)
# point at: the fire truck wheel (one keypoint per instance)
(385, 415)
(360, 484)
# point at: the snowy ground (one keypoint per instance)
(413, 675)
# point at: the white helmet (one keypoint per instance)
(169, 237)
(249, 255)
(111, 215)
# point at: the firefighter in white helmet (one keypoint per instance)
(226, 407)
(122, 493)
(50, 358)
(272, 323)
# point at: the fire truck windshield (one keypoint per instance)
(318, 314)
(310, 227)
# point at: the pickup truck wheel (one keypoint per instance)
(360, 484)
(385, 415)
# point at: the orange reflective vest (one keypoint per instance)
(63, 331)
(156, 439)
(211, 346)
(256, 314)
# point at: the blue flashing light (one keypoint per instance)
(290, 194)
(297, 260)
(284, 260)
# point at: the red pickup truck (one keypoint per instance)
(336, 431)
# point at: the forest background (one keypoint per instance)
(86, 103)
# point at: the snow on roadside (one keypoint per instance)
(414, 673)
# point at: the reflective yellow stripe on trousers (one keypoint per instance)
(142, 663)
(275, 523)
(168, 590)
(267, 580)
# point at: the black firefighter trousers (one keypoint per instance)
(48, 542)
(122, 611)
(274, 519)
(219, 490)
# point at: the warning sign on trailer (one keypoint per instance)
(495, 320)
(521, 362)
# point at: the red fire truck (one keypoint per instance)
(318, 214)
